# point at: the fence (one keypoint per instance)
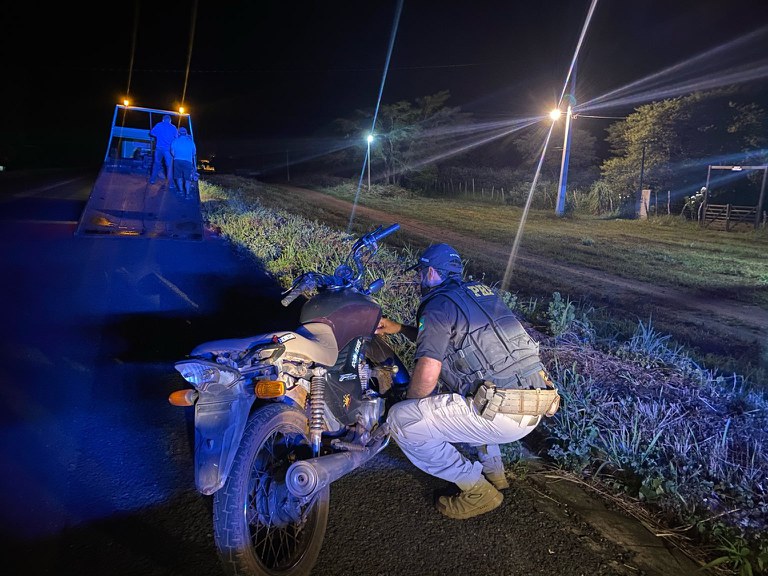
(727, 216)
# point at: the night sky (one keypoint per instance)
(271, 70)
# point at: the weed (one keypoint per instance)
(737, 556)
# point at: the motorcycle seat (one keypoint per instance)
(313, 342)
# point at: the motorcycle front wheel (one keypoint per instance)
(260, 529)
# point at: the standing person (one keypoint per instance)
(183, 150)
(478, 380)
(164, 133)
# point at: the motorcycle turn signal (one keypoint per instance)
(183, 397)
(269, 389)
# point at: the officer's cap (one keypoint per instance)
(441, 257)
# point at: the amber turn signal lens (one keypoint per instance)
(270, 389)
(183, 397)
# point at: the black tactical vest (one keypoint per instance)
(495, 347)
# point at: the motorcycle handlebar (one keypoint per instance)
(376, 236)
(346, 276)
(302, 284)
(292, 295)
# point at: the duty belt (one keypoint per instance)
(489, 401)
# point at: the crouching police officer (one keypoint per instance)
(478, 380)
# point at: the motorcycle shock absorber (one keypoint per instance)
(316, 409)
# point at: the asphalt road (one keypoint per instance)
(97, 466)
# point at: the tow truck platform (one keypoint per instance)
(123, 202)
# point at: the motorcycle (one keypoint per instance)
(280, 416)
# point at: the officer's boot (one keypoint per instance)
(493, 468)
(473, 500)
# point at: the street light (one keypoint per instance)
(369, 139)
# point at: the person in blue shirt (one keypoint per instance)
(164, 134)
(183, 150)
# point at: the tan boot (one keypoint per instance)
(493, 469)
(482, 497)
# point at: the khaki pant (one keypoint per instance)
(426, 429)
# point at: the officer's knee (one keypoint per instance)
(393, 420)
(407, 424)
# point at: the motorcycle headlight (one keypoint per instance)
(207, 376)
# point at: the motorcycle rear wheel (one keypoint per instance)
(258, 528)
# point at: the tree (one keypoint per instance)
(407, 134)
(582, 163)
(673, 141)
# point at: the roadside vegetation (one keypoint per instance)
(664, 251)
(642, 421)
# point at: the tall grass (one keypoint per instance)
(638, 415)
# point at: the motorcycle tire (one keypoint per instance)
(259, 528)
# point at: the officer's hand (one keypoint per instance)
(387, 326)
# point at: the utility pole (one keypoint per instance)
(560, 208)
(369, 139)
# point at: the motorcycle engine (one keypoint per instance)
(348, 392)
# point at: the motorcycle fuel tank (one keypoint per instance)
(348, 313)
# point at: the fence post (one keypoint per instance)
(669, 202)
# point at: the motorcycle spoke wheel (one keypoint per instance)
(260, 528)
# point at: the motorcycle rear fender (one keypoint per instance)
(219, 428)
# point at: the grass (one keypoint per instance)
(640, 420)
(662, 251)
(665, 252)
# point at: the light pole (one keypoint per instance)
(560, 207)
(369, 139)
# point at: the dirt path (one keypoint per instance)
(729, 325)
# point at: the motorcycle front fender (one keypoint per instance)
(219, 428)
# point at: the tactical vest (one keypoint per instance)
(496, 347)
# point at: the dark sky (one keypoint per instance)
(264, 69)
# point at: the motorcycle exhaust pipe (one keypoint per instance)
(306, 477)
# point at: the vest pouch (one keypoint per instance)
(537, 402)
(489, 400)
(484, 353)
